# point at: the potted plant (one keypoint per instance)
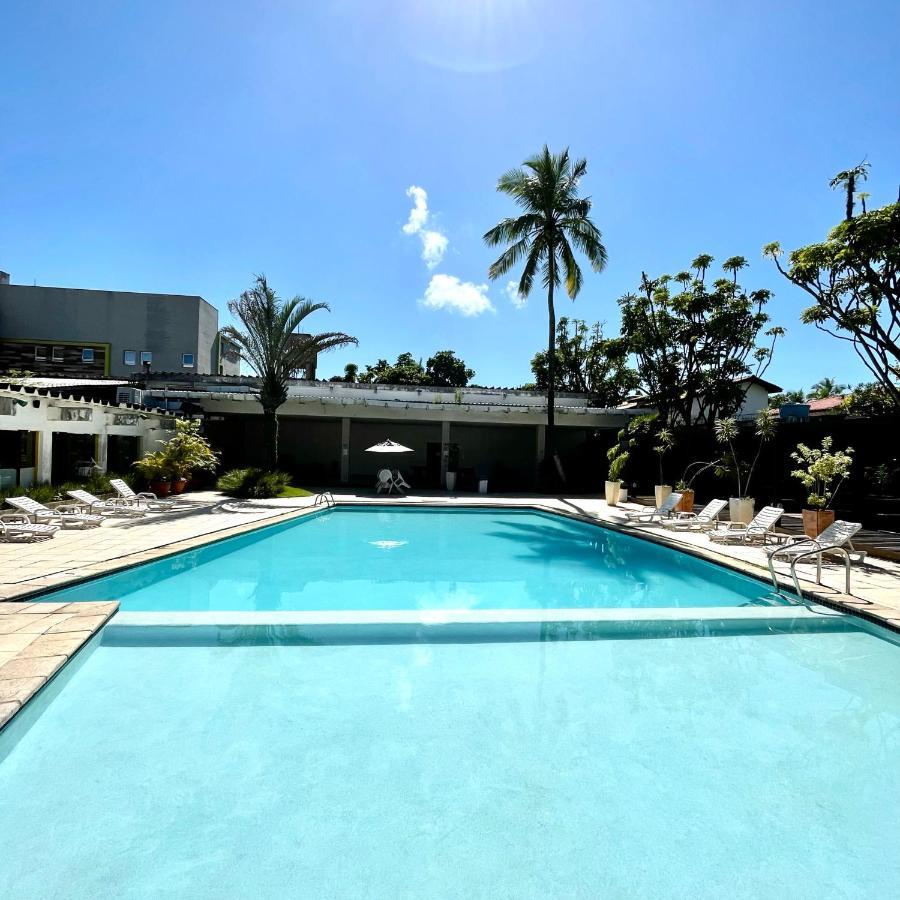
(664, 442)
(618, 457)
(188, 452)
(741, 507)
(154, 467)
(684, 485)
(818, 469)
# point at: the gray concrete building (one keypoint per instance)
(72, 332)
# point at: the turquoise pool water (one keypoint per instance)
(376, 558)
(741, 767)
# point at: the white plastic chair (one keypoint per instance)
(16, 527)
(707, 518)
(384, 481)
(146, 497)
(106, 507)
(665, 509)
(760, 528)
(65, 516)
(399, 481)
(836, 538)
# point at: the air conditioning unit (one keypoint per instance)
(130, 395)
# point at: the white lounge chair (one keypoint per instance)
(17, 527)
(384, 482)
(707, 518)
(106, 507)
(760, 528)
(148, 498)
(66, 516)
(836, 538)
(664, 510)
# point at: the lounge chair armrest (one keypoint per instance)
(15, 518)
(73, 507)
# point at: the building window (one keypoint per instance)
(146, 357)
(59, 354)
(129, 358)
(187, 360)
(40, 352)
(87, 354)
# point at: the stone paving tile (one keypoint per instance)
(38, 624)
(31, 667)
(8, 710)
(15, 641)
(77, 623)
(19, 689)
(55, 644)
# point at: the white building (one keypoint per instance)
(45, 433)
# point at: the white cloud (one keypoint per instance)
(418, 215)
(512, 291)
(434, 243)
(465, 297)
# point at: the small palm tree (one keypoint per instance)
(847, 180)
(554, 222)
(271, 346)
(826, 387)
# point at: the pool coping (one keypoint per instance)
(885, 617)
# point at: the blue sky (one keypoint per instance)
(183, 146)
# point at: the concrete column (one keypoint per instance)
(445, 451)
(102, 457)
(345, 450)
(44, 455)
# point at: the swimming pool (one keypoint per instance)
(744, 766)
(390, 558)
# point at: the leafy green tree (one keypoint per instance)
(587, 363)
(826, 387)
(351, 372)
(869, 400)
(854, 278)
(777, 400)
(446, 369)
(693, 344)
(554, 223)
(271, 345)
(406, 370)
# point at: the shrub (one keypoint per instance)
(253, 483)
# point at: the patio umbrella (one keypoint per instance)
(388, 447)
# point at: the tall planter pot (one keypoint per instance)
(179, 485)
(161, 488)
(661, 491)
(741, 509)
(686, 503)
(612, 492)
(815, 521)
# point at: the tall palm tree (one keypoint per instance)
(271, 345)
(826, 387)
(553, 223)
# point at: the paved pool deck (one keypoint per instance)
(207, 516)
(37, 640)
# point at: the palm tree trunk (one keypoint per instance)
(549, 445)
(270, 437)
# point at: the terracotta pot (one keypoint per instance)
(686, 503)
(178, 485)
(815, 521)
(160, 488)
(741, 509)
(661, 491)
(612, 492)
